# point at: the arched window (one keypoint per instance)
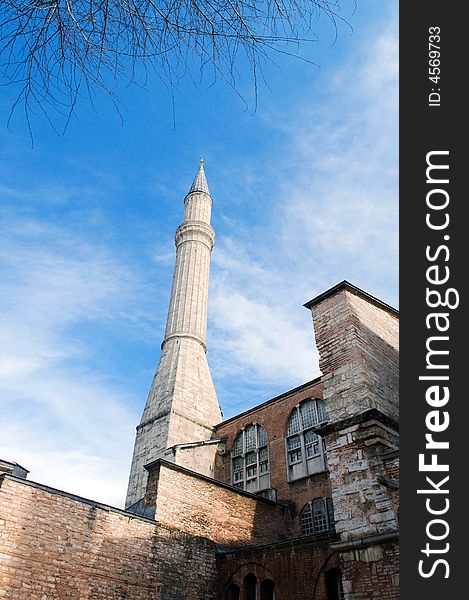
(334, 586)
(267, 590)
(233, 592)
(305, 449)
(250, 459)
(317, 516)
(250, 585)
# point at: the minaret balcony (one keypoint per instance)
(195, 231)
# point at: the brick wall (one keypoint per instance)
(273, 416)
(203, 507)
(298, 570)
(54, 546)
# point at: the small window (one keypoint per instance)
(317, 516)
(250, 459)
(304, 447)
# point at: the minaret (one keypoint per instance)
(182, 405)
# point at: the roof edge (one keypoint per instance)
(174, 467)
(74, 497)
(274, 399)
(346, 285)
(13, 463)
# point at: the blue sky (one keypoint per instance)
(305, 195)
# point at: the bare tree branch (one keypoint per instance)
(57, 51)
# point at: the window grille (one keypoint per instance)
(250, 459)
(317, 516)
(238, 446)
(294, 422)
(305, 449)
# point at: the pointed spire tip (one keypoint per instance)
(200, 182)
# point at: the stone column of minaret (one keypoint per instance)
(182, 405)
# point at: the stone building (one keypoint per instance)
(294, 499)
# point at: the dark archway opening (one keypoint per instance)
(233, 592)
(268, 590)
(335, 589)
(250, 584)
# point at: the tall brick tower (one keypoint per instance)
(182, 405)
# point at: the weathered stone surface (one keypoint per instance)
(182, 405)
(358, 344)
(357, 338)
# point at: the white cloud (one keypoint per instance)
(333, 217)
(65, 419)
(330, 214)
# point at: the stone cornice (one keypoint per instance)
(345, 285)
(369, 540)
(373, 414)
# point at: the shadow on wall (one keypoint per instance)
(201, 506)
(301, 574)
(382, 364)
(251, 582)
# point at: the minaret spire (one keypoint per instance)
(200, 181)
(182, 405)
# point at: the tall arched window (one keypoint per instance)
(250, 459)
(267, 590)
(305, 449)
(317, 516)
(250, 587)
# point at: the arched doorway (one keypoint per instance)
(267, 590)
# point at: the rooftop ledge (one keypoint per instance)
(353, 289)
(74, 497)
(161, 461)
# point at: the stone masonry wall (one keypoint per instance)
(182, 407)
(371, 573)
(362, 505)
(56, 547)
(194, 458)
(358, 349)
(357, 339)
(204, 507)
(378, 336)
(391, 472)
